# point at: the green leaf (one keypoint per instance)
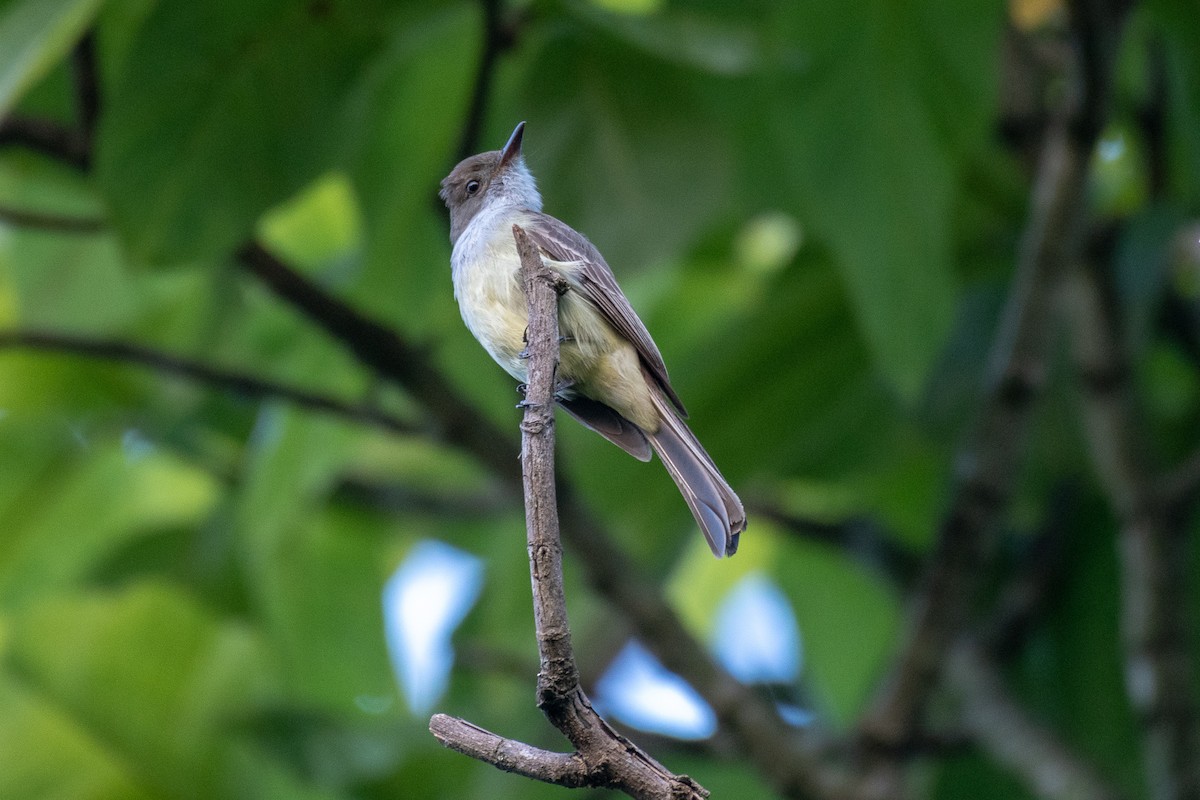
(869, 141)
(224, 109)
(725, 40)
(407, 146)
(159, 685)
(848, 620)
(78, 509)
(188, 675)
(1179, 25)
(318, 580)
(81, 767)
(315, 227)
(34, 35)
(622, 158)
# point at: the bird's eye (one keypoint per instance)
(472, 187)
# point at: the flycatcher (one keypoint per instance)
(612, 377)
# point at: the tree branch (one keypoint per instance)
(1182, 485)
(996, 720)
(400, 498)
(50, 222)
(563, 769)
(790, 759)
(1051, 243)
(87, 92)
(1032, 586)
(382, 349)
(47, 137)
(603, 757)
(241, 383)
(1155, 624)
(991, 464)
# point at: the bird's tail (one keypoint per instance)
(714, 504)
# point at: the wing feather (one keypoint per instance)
(595, 282)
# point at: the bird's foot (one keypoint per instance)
(522, 389)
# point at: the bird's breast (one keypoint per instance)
(487, 285)
(593, 358)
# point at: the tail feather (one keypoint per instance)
(608, 423)
(712, 501)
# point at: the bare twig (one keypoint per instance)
(55, 223)
(563, 769)
(790, 759)
(995, 719)
(241, 383)
(446, 503)
(603, 757)
(1033, 585)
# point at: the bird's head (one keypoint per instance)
(491, 179)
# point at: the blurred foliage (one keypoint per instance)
(807, 202)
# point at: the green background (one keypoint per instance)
(810, 205)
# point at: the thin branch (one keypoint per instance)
(991, 464)
(241, 383)
(399, 498)
(51, 222)
(1155, 624)
(382, 349)
(1051, 243)
(563, 769)
(1181, 486)
(87, 91)
(998, 722)
(790, 759)
(1033, 584)
(603, 757)
(47, 137)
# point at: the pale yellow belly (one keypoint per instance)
(593, 359)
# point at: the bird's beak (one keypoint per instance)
(512, 150)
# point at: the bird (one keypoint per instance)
(612, 377)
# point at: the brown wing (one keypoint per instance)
(598, 286)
